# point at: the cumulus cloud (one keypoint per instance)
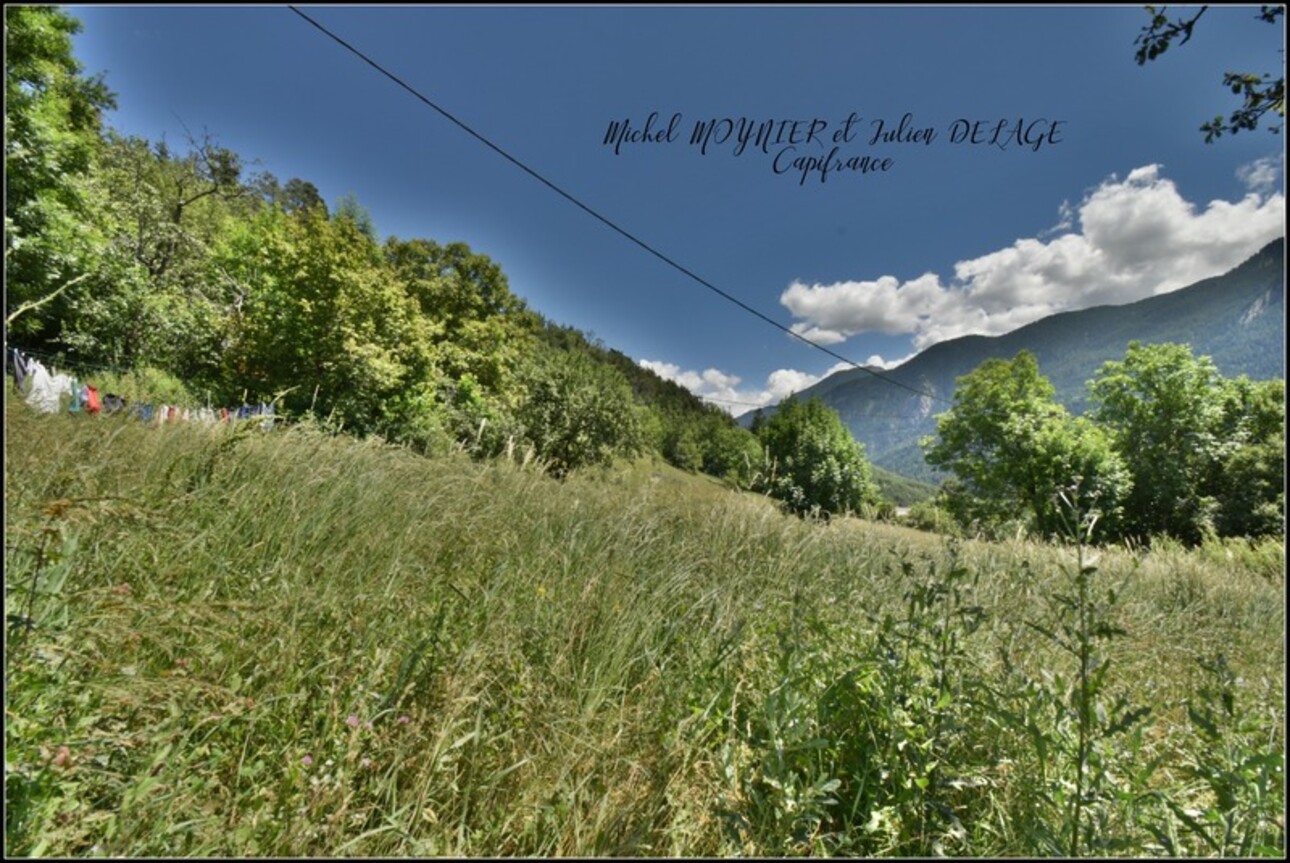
(876, 361)
(723, 390)
(818, 335)
(712, 381)
(1136, 237)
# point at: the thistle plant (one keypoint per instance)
(1082, 626)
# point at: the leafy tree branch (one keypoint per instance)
(1261, 93)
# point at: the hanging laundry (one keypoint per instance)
(92, 403)
(63, 385)
(113, 403)
(20, 372)
(45, 389)
(75, 405)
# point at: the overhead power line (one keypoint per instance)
(603, 219)
(731, 401)
(794, 395)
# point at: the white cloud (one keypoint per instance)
(1136, 237)
(669, 371)
(710, 383)
(819, 336)
(876, 361)
(784, 382)
(723, 390)
(719, 380)
(1262, 175)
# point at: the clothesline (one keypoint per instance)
(53, 392)
(51, 359)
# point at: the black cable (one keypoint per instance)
(589, 211)
(790, 395)
(69, 362)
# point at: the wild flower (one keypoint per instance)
(352, 721)
(404, 720)
(307, 760)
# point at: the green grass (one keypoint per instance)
(629, 662)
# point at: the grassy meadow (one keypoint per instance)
(286, 643)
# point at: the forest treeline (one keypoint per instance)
(128, 254)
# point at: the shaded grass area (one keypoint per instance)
(246, 643)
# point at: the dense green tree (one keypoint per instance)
(578, 412)
(296, 196)
(682, 449)
(349, 209)
(1251, 489)
(480, 328)
(52, 126)
(1249, 477)
(1164, 408)
(1077, 465)
(153, 297)
(813, 464)
(478, 332)
(1013, 449)
(301, 195)
(729, 451)
(320, 319)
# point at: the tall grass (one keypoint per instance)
(231, 642)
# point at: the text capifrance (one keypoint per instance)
(818, 149)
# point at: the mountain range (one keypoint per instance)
(1237, 318)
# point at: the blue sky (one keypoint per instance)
(1122, 199)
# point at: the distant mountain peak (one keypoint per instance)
(1236, 318)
